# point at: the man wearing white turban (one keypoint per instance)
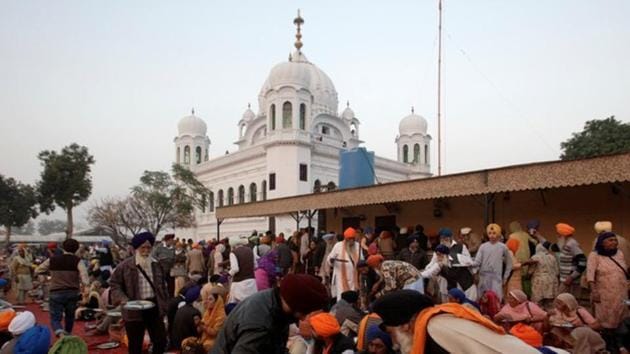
(21, 323)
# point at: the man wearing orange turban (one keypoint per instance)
(564, 230)
(327, 334)
(515, 279)
(572, 260)
(344, 257)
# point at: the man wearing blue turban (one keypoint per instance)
(140, 277)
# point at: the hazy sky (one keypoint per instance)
(519, 76)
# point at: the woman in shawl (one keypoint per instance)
(489, 303)
(456, 295)
(213, 316)
(606, 272)
(566, 316)
(266, 273)
(544, 272)
(21, 270)
(520, 309)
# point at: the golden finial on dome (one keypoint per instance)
(298, 21)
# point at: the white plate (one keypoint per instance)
(139, 305)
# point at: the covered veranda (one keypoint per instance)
(579, 192)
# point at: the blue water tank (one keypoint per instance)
(356, 168)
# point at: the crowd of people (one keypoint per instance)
(401, 290)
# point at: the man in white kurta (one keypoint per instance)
(344, 258)
(494, 262)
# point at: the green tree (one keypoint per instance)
(17, 204)
(599, 137)
(46, 226)
(164, 201)
(66, 180)
(26, 229)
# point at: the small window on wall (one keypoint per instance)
(325, 130)
(303, 172)
(198, 154)
(272, 181)
(211, 201)
(273, 116)
(287, 115)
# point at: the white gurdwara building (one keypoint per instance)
(290, 147)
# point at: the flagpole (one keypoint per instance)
(439, 89)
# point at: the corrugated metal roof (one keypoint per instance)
(541, 175)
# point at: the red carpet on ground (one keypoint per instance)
(79, 330)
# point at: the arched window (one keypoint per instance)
(263, 186)
(230, 196)
(241, 194)
(198, 154)
(272, 114)
(426, 154)
(187, 154)
(252, 192)
(286, 114)
(220, 198)
(178, 157)
(204, 201)
(317, 186)
(405, 153)
(302, 116)
(211, 201)
(205, 158)
(416, 153)
(331, 186)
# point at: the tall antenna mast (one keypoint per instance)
(439, 89)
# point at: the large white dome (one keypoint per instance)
(192, 125)
(412, 124)
(302, 74)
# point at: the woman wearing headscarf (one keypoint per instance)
(519, 309)
(544, 275)
(588, 341)
(606, 272)
(566, 316)
(213, 316)
(266, 273)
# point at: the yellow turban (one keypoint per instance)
(564, 229)
(603, 226)
(494, 227)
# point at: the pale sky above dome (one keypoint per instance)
(519, 76)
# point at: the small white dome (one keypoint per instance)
(192, 125)
(413, 124)
(348, 113)
(248, 115)
(301, 73)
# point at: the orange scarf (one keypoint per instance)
(354, 258)
(213, 320)
(457, 310)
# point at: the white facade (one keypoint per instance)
(290, 147)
